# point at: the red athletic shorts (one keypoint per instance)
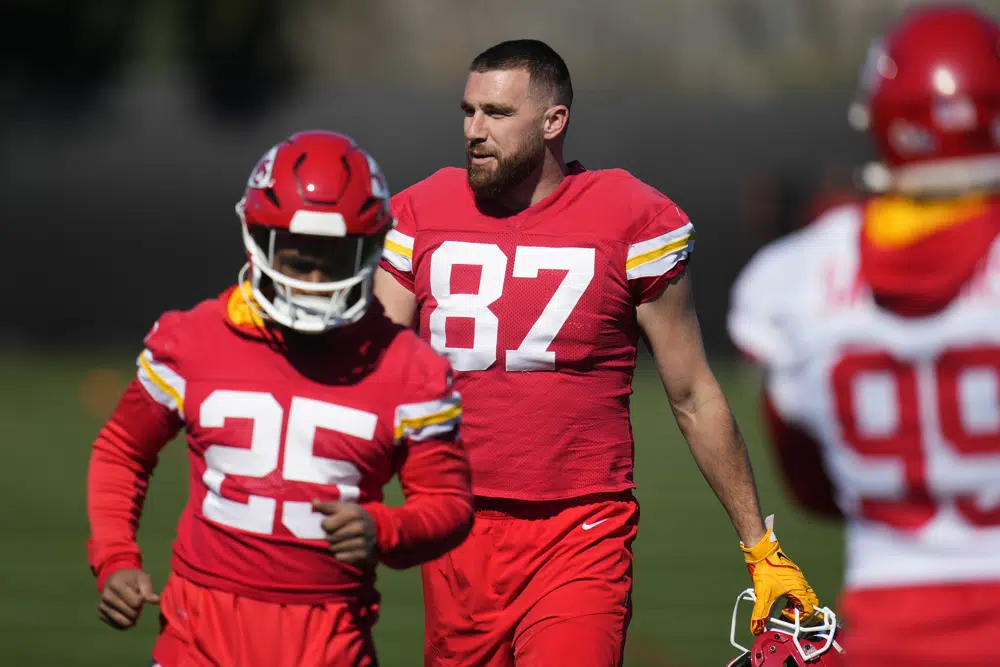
(955, 625)
(534, 585)
(202, 627)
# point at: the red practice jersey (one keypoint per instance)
(271, 426)
(536, 312)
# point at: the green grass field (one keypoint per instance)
(688, 565)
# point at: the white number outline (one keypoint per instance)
(305, 415)
(476, 307)
(533, 353)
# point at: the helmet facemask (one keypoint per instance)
(812, 636)
(308, 282)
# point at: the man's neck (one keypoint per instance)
(546, 179)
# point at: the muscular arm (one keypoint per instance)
(670, 327)
(400, 304)
(123, 457)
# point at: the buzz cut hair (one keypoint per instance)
(548, 72)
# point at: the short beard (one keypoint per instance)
(509, 171)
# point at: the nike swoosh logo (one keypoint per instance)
(588, 526)
(782, 556)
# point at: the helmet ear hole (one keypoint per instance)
(271, 195)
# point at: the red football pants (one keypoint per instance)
(534, 585)
(202, 627)
(955, 625)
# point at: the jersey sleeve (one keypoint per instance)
(658, 252)
(158, 368)
(125, 452)
(438, 418)
(397, 253)
(434, 473)
(754, 321)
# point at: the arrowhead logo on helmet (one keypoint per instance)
(315, 200)
(260, 177)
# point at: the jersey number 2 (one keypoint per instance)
(533, 353)
(261, 459)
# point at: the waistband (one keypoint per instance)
(527, 510)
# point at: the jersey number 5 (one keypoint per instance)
(261, 459)
(533, 353)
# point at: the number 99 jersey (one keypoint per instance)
(906, 410)
(536, 313)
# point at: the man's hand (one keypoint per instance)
(775, 575)
(349, 529)
(125, 592)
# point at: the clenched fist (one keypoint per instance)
(125, 592)
(349, 529)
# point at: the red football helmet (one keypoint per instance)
(929, 96)
(314, 187)
(808, 642)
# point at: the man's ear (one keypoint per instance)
(555, 120)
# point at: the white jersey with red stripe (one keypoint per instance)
(906, 410)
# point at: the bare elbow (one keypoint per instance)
(399, 303)
(689, 397)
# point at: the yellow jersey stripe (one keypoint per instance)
(162, 384)
(398, 248)
(416, 423)
(657, 253)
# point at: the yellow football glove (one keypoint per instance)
(775, 575)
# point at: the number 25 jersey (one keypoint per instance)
(536, 313)
(270, 427)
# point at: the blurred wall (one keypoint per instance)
(110, 222)
(120, 164)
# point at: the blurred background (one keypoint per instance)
(129, 129)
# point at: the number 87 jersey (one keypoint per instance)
(536, 313)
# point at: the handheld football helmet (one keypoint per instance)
(315, 187)
(929, 96)
(802, 642)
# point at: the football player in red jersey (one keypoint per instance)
(877, 329)
(300, 400)
(536, 279)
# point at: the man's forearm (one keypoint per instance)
(719, 450)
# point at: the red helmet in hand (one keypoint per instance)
(811, 642)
